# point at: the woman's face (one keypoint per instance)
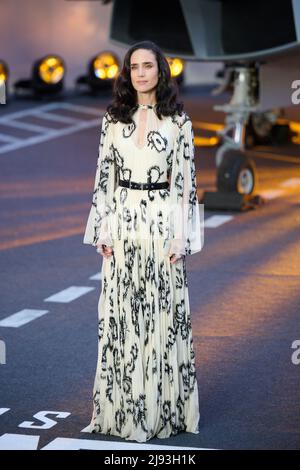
(143, 70)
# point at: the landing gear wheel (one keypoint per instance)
(236, 173)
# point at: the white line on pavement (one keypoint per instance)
(82, 109)
(27, 111)
(29, 127)
(9, 441)
(217, 220)
(55, 117)
(46, 133)
(291, 183)
(50, 135)
(69, 294)
(22, 317)
(96, 277)
(271, 193)
(49, 107)
(69, 443)
(18, 442)
(8, 138)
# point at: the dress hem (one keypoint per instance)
(91, 430)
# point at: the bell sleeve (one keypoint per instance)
(98, 227)
(187, 215)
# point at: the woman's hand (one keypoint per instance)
(105, 250)
(174, 258)
(176, 249)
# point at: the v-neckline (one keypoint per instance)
(141, 107)
(136, 127)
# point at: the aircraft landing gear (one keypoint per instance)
(236, 172)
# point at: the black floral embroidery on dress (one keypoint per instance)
(120, 419)
(150, 269)
(127, 219)
(169, 371)
(160, 223)
(143, 208)
(123, 332)
(117, 157)
(169, 159)
(135, 312)
(134, 355)
(117, 366)
(127, 381)
(123, 195)
(147, 320)
(179, 184)
(166, 411)
(100, 328)
(126, 174)
(188, 374)
(164, 290)
(96, 399)
(128, 130)
(154, 174)
(179, 280)
(104, 172)
(151, 196)
(104, 285)
(109, 384)
(157, 141)
(139, 412)
(171, 337)
(180, 120)
(164, 193)
(180, 312)
(180, 410)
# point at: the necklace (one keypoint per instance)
(146, 106)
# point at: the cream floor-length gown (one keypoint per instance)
(145, 384)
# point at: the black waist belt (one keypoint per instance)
(134, 185)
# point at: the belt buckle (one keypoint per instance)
(142, 186)
(129, 184)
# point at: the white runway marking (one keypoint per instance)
(291, 183)
(81, 108)
(271, 193)
(69, 294)
(50, 107)
(21, 318)
(9, 441)
(29, 127)
(73, 124)
(217, 220)
(55, 117)
(3, 410)
(9, 138)
(96, 277)
(62, 443)
(18, 442)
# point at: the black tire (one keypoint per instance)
(233, 170)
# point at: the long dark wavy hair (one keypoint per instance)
(124, 102)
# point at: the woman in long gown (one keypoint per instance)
(145, 383)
